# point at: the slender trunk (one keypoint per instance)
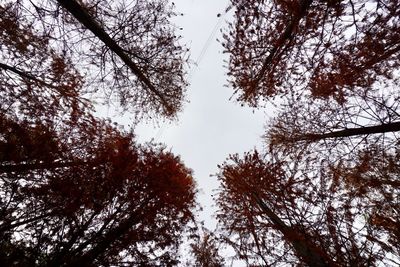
(105, 242)
(10, 226)
(28, 76)
(24, 167)
(382, 128)
(61, 254)
(107, 239)
(84, 17)
(24, 75)
(287, 35)
(305, 250)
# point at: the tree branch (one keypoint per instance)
(383, 128)
(23, 167)
(79, 13)
(25, 75)
(286, 35)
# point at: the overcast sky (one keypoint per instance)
(211, 126)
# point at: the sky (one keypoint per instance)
(211, 126)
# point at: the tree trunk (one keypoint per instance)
(78, 12)
(383, 128)
(104, 243)
(287, 34)
(24, 167)
(305, 250)
(25, 75)
(9, 226)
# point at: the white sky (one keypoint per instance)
(211, 126)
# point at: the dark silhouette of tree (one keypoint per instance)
(79, 12)
(205, 250)
(92, 197)
(326, 49)
(275, 213)
(124, 51)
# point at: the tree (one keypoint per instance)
(124, 51)
(37, 81)
(325, 49)
(314, 199)
(366, 119)
(277, 213)
(94, 198)
(339, 86)
(205, 251)
(74, 190)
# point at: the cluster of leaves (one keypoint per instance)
(275, 213)
(325, 192)
(125, 52)
(328, 48)
(90, 197)
(206, 251)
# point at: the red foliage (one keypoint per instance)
(328, 48)
(276, 212)
(101, 199)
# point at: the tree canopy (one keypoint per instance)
(124, 52)
(325, 48)
(277, 213)
(77, 190)
(91, 198)
(324, 192)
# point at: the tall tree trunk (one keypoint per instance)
(305, 250)
(83, 17)
(287, 35)
(382, 128)
(24, 167)
(9, 226)
(25, 75)
(105, 242)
